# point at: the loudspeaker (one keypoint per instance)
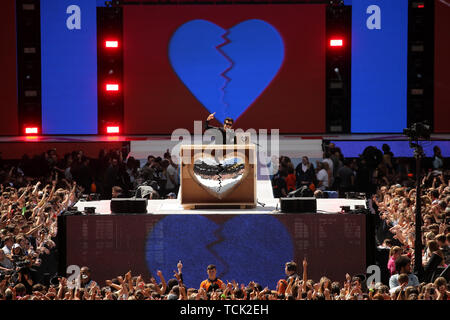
(128, 206)
(298, 205)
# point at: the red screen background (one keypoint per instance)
(8, 67)
(157, 102)
(442, 68)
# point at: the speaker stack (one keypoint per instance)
(298, 205)
(128, 206)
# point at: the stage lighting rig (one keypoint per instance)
(336, 3)
(113, 3)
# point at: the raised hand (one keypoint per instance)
(348, 277)
(210, 117)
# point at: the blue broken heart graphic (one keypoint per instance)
(226, 70)
(245, 248)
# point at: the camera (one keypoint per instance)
(418, 130)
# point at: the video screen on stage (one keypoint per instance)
(379, 66)
(8, 66)
(69, 66)
(244, 247)
(263, 66)
(441, 67)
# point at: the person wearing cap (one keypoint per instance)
(212, 283)
(17, 253)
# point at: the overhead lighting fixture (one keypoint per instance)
(336, 43)
(112, 129)
(31, 130)
(112, 87)
(111, 44)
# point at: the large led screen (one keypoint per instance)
(69, 66)
(379, 65)
(442, 67)
(263, 66)
(8, 67)
(244, 247)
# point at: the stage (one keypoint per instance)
(245, 245)
(267, 204)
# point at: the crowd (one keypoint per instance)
(96, 176)
(374, 168)
(28, 223)
(294, 286)
(36, 191)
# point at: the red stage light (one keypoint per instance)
(420, 6)
(111, 44)
(336, 43)
(31, 130)
(112, 87)
(112, 129)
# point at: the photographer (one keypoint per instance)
(23, 275)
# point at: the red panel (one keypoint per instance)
(442, 68)
(8, 67)
(15, 150)
(157, 102)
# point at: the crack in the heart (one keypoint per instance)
(224, 73)
(219, 238)
(219, 176)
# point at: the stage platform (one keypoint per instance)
(245, 244)
(267, 204)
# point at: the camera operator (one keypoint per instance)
(23, 274)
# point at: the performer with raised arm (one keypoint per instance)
(227, 132)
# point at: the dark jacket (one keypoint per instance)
(309, 175)
(231, 139)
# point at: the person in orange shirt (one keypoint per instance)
(290, 179)
(212, 283)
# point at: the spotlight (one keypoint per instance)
(111, 44)
(112, 129)
(336, 43)
(31, 130)
(112, 87)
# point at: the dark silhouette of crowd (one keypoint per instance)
(366, 174)
(95, 177)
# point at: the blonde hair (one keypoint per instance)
(394, 250)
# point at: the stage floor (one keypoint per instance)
(173, 206)
(267, 204)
